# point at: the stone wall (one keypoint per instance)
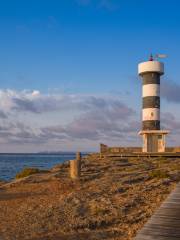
(173, 149)
(104, 149)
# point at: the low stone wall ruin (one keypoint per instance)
(104, 149)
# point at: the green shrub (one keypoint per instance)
(158, 174)
(28, 171)
(2, 182)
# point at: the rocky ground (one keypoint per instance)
(112, 200)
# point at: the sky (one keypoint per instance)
(68, 72)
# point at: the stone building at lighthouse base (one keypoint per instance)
(154, 140)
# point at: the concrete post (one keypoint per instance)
(75, 167)
(78, 156)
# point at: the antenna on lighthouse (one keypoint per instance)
(151, 58)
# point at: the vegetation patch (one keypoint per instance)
(158, 174)
(2, 182)
(29, 171)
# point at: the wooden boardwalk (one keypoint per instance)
(165, 223)
(140, 154)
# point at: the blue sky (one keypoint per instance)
(82, 51)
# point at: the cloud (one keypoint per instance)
(99, 117)
(104, 118)
(34, 101)
(37, 103)
(170, 91)
(2, 115)
(19, 133)
(170, 122)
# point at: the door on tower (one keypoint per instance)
(152, 143)
(161, 143)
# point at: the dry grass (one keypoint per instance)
(160, 174)
(29, 171)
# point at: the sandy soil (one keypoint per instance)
(112, 200)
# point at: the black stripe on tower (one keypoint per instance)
(151, 78)
(151, 102)
(151, 125)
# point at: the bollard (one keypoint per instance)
(78, 156)
(75, 167)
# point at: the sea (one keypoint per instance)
(11, 164)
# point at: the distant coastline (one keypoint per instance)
(45, 153)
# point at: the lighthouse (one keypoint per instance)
(153, 137)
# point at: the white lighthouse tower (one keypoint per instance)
(153, 137)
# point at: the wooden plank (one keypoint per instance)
(143, 237)
(165, 223)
